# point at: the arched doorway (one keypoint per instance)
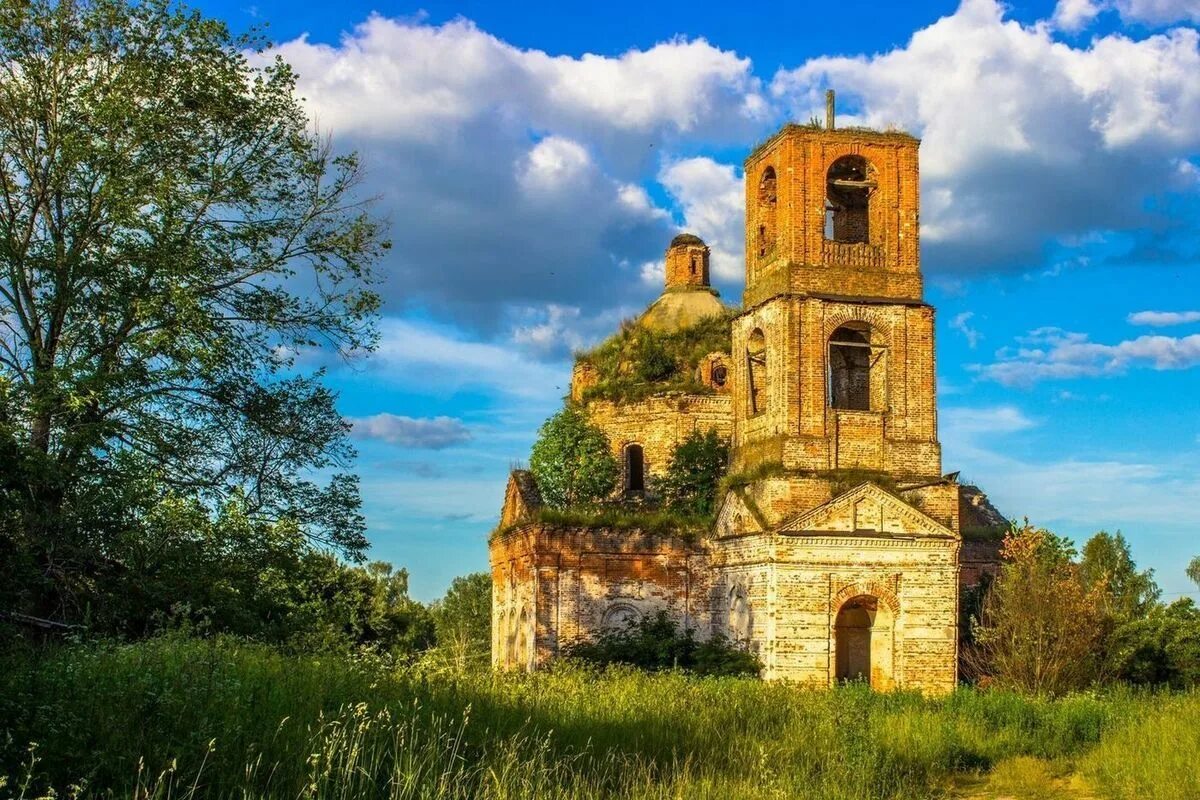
(863, 642)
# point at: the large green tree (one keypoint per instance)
(172, 235)
(1107, 562)
(572, 461)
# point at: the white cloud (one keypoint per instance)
(960, 324)
(1024, 136)
(402, 79)
(514, 176)
(968, 423)
(432, 433)
(556, 331)
(714, 203)
(1160, 319)
(555, 165)
(425, 357)
(1052, 353)
(654, 273)
(1075, 15)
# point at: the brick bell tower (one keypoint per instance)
(834, 353)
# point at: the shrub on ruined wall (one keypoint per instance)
(572, 461)
(635, 362)
(694, 473)
(656, 643)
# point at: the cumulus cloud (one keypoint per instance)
(1052, 353)
(513, 175)
(714, 205)
(432, 433)
(556, 331)
(1162, 319)
(1075, 15)
(1026, 139)
(961, 324)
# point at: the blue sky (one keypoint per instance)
(534, 159)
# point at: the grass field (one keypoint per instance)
(219, 718)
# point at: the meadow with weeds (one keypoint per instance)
(177, 717)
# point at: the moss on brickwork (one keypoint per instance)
(689, 527)
(636, 363)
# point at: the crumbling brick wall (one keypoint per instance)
(660, 423)
(570, 582)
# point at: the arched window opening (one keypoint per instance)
(756, 363)
(635, 469)
(853, 631)
(720, 375)
(864, 642)
(695, 266)
(849, 185)
(768, 197)
(850, 362)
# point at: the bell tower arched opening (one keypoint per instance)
(849, 184)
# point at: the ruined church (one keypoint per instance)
(841, 550)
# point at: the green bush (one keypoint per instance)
(694, 473)
(635, 362)
(655, 643)
(571, 461)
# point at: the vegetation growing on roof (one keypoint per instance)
(636, 362)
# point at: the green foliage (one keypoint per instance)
(571, 461)
(199, 237)
(636, 362)
(1151, 755)
(740, 480)
(1106, 562)
(1040, 627)
(655, 521)
(652, 362)
(843, 480)
(1193, 570)
(463, 620)
(246, 721)
(656, 643)
(1161, 648)
(694, 472)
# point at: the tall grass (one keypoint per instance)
(219, 718)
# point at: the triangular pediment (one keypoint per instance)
(867, 510)
(736, 516)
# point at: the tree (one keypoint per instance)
(572, 461)
(1193, 570)
(463, 619)
(172, 235)
(1161, 648)
(1107, 563)
(694, 472)
(1040, 626)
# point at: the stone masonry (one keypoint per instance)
(842, 550)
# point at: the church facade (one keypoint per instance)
(841, 550)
